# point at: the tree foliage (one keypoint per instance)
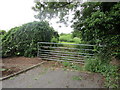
(48, 10)
(97, 22)
(23, 40)
(101, 26)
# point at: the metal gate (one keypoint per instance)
(65, 52)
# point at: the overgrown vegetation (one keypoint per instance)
(22, 40)
(2, 32)
(109, 71)
(72, 66)
(96, 23)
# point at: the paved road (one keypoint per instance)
(42, 77)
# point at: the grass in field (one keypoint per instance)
(69, 38)
(65, 44)
(68, 42)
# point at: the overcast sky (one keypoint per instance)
(17, 12)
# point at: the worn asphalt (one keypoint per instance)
(42, 77)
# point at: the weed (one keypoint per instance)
(76, 78)
(76, 67)
(66, 64)
(107, 70)
(72, 66)
(3, 69)
(65, 69)
(12, 78)
(45, 69)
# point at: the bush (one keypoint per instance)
(23, 40)
(109, 71)
(55, 40)
(8, 42)
(77, 40)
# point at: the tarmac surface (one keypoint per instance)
(42, 77)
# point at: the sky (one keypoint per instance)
(17, 12)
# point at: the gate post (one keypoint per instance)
(38, 49)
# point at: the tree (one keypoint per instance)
(48, 10)
(101, 26)
(22, 41)
(97, 22)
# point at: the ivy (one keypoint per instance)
(22, 41)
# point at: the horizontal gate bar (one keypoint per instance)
(62, 60)
(56, 54)
(64, 54)
(60, 56)
(52, 51)
(65, 48)
(65, 43)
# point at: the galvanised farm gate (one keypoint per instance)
(65, 52)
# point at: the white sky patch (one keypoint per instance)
(61, 27)
(17, 12)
